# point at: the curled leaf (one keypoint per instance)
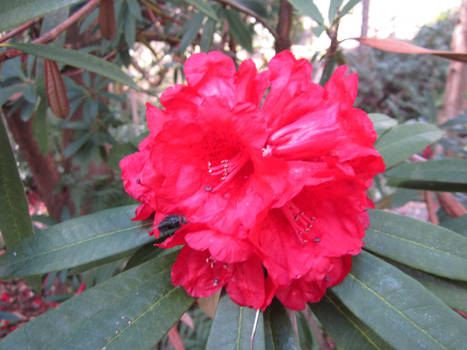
(56, 90)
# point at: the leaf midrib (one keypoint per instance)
(416, 243)
(396, 310)
(69, 245)
(152, 306)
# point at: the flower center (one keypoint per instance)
(300, 222)
(225, 160)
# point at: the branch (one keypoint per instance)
(18, 30)
(51, 35)
(283, 26)
(252, 14)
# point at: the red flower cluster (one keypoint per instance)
(270, 171)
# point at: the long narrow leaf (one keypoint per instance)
(308, 8)
(453, 293)
(398, 308)
(278, 329)
(233, 326)
(435, 175)
(347, 330)
(76, 242)
(203, 7)
(402, 141)
(133, 310)
(77, 59)
(16, 12)
(418, 244)
(15, 223)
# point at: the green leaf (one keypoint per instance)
(39, 123)
(232, 327)
(76, 242)
(278, 330)
(305, 333)
(346, 329)
(7, 92)
(130, 30)
(348, 6)
(207, 35)
(54, 19)
(203, 7)
(435, 175)
(118, 152)
(402, 141)
(239, 30)
(458, 224)
(398, 308)
(77, 59)
(133, 310)
(382, 122)
(15, 223)
(418, 244)
(13, 13)
(257, 7)
(308, 8)
(453, 293)
(191, 29)
(334, 9)
(73, 147)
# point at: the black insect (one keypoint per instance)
(169, 225)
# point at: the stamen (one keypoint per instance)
(299, 221)
(227, 169)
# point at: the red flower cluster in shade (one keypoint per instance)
(270, 171)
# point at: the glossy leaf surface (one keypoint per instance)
(418, 244)
(398, 308)
(76, 242)
(133, 310)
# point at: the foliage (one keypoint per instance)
(404, 289)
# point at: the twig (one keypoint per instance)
(243, 9)
(18, 30)
(51, 35)
(430, 203)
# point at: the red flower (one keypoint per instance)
(276, 187)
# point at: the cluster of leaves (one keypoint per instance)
(401, 293)
(406, 86)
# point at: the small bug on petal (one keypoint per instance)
(169, 225)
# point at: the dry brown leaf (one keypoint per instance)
(407, 48)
